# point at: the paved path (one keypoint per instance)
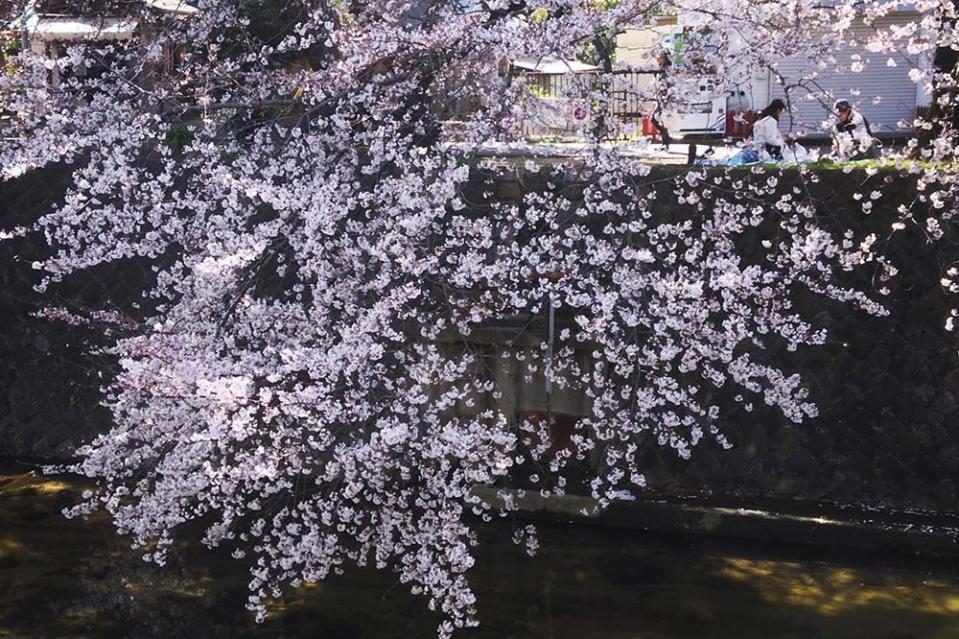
(654, 152)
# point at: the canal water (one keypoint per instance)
(75, 579)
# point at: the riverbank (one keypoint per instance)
(827, 526)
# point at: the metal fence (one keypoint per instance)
(625, 94)
(570, 98)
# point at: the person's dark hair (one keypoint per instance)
(773, 109)
(842, 105)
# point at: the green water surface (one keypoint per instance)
(75, 579)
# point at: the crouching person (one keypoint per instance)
(853, 138)
(768, 141)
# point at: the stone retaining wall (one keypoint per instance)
(888, 388)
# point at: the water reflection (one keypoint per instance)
(62, 578)
(831, 590)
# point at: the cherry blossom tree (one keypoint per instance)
(322, 216)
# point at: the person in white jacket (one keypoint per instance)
(767, 139)
(853, 139)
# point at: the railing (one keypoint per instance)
(567, 101)
(625, 98)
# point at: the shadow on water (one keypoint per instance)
(76, 579)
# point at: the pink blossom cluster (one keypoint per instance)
(309, 376)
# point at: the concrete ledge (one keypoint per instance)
(904, 533)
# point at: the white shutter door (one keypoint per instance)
(883, 94)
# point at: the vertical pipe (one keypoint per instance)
(549, 346)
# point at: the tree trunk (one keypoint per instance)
(605, 45)
(943, 109)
